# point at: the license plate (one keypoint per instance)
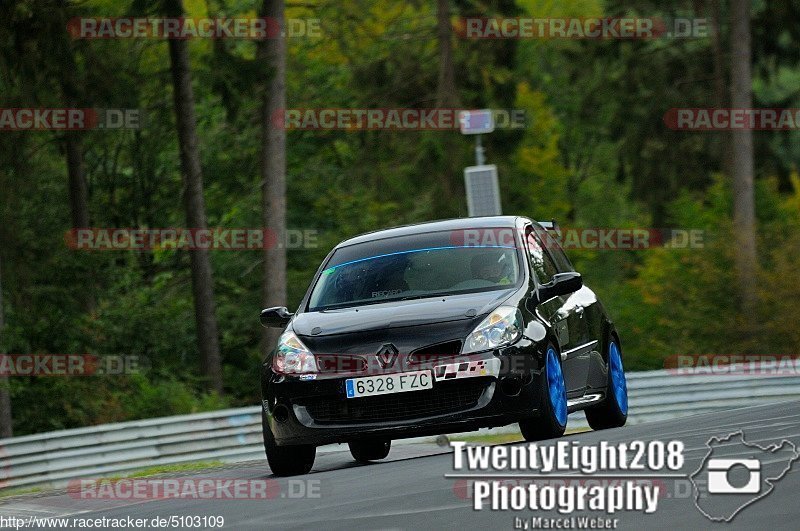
(390, 383)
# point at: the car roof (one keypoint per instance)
(489, 222)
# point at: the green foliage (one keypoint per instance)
(685, 301)
(595, 153)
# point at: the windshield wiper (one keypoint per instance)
(350, 304)
(424, 296)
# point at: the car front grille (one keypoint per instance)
(434, 353)
(448, 397)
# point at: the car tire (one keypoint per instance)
(552, 419)
(370, 450)
(613, 411)
(286, 460)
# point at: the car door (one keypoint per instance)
(565, 316)
(584, 312)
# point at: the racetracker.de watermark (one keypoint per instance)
(392, 119)
(716, 119)
(176, 238)
(70, 365)
(192, 28)
(447, 363)
(192, 488)
(589, 238)
(68, 119)
(766, 365)
(580, 28)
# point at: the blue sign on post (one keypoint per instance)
(476, 122)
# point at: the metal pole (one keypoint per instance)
(480, 160)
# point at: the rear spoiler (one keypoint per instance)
(552, 229)
(550, 225)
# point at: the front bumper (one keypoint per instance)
(317, 411)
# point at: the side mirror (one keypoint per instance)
(277, 317)
(561, 284)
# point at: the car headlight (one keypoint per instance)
(501, 327)
(292, 356)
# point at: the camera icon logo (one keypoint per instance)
(735, 474)
(719, 476)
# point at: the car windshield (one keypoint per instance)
(412, 267)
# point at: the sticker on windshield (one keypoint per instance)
(386, 293)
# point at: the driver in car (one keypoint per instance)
(490, 267)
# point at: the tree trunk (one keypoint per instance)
(272, 58)
(446, 95)
(717, 54)
(6, 420)
(742, 156)
(446, 98)
(78, 193)
(73, 92)
(720, 97)
(202, 278)
(79, 202)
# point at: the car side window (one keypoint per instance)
(541, 261)
(558, 254)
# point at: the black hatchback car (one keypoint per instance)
(435, 328)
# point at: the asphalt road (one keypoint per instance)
(409, 490)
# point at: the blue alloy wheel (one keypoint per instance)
(619, 387)
(558, 391)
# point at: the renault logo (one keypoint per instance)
(386, 355)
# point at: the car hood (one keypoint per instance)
(398, 314)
